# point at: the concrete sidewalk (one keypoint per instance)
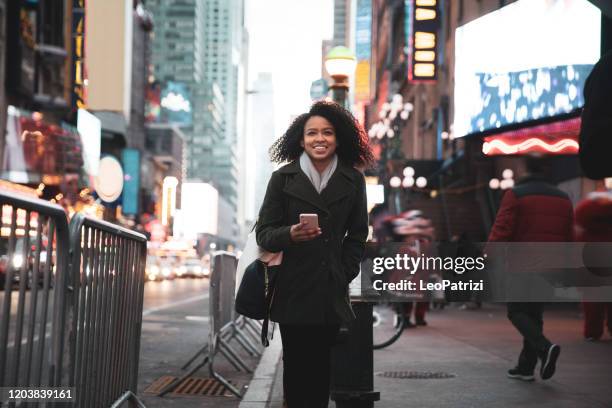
(476, 348)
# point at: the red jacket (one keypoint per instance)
(534, 211)
(594, 218)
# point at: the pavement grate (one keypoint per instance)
(193, 386)
(416, 375)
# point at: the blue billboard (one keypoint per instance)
(130, 159)
(175, 102)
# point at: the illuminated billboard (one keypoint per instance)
(363, 50)
(90, 129)
(176, 104)
(421, 25)
(524, 62)
(199, 210)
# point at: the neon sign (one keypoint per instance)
(422, 24)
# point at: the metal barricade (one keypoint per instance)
(71, 302)
(222, 288)
(33, 264)
(107, 274)
(224, 325)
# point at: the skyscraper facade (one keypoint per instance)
(223, 55)
(178, 56)
(201, 43)
(342, 22)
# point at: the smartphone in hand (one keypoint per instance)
(311, 221)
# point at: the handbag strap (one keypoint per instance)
(270, 289)
(270, 285)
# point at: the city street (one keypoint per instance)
(203, 161)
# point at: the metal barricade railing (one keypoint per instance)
(34, 256)
(224, 325)
(222, 288)
(70, 303)
(107, 275)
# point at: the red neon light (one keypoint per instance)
(555, 138)
(564, 146)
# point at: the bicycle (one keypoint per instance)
(389, 319)
(389, 323)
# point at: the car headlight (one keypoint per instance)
(166, 272)
(17, 261)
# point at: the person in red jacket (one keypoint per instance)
(533, 211)
(594, 224)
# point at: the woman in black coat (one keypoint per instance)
(311, 297)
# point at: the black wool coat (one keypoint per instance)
(312, 281)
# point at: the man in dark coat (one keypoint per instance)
(533, 211)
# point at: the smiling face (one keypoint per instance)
(319, 140)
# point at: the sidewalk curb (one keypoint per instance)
(261, 385)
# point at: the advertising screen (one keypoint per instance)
(506, 75)
(90, 128)
(176, 104)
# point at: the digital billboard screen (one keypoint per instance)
(176, 104)
(524, 62)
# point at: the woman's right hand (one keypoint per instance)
(299, 232)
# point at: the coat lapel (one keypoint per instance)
(300, 186)
(339, 186)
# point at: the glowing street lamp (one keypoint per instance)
(505, 183)
(340, 63)
(390, 111)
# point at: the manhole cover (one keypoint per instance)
(416, 375)
(191, 386)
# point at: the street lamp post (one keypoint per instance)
(406, 183)
(352, 363)
(340, 63)
(387, 132)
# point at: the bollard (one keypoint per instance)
(352, 363)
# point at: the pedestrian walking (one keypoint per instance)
(414, 229)
(315, 211)
(594, 224)
(533, 211)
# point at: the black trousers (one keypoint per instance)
(306, 364)
(528, 320)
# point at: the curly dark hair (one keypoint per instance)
(352, 140)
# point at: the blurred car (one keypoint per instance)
(152, 270)
(167, 270)
(194, 268)
(17, 262)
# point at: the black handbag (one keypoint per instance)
(256, 292)
(255, 295)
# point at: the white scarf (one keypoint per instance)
(318, 180)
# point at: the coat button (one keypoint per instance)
(323, 263)
(326, 240)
